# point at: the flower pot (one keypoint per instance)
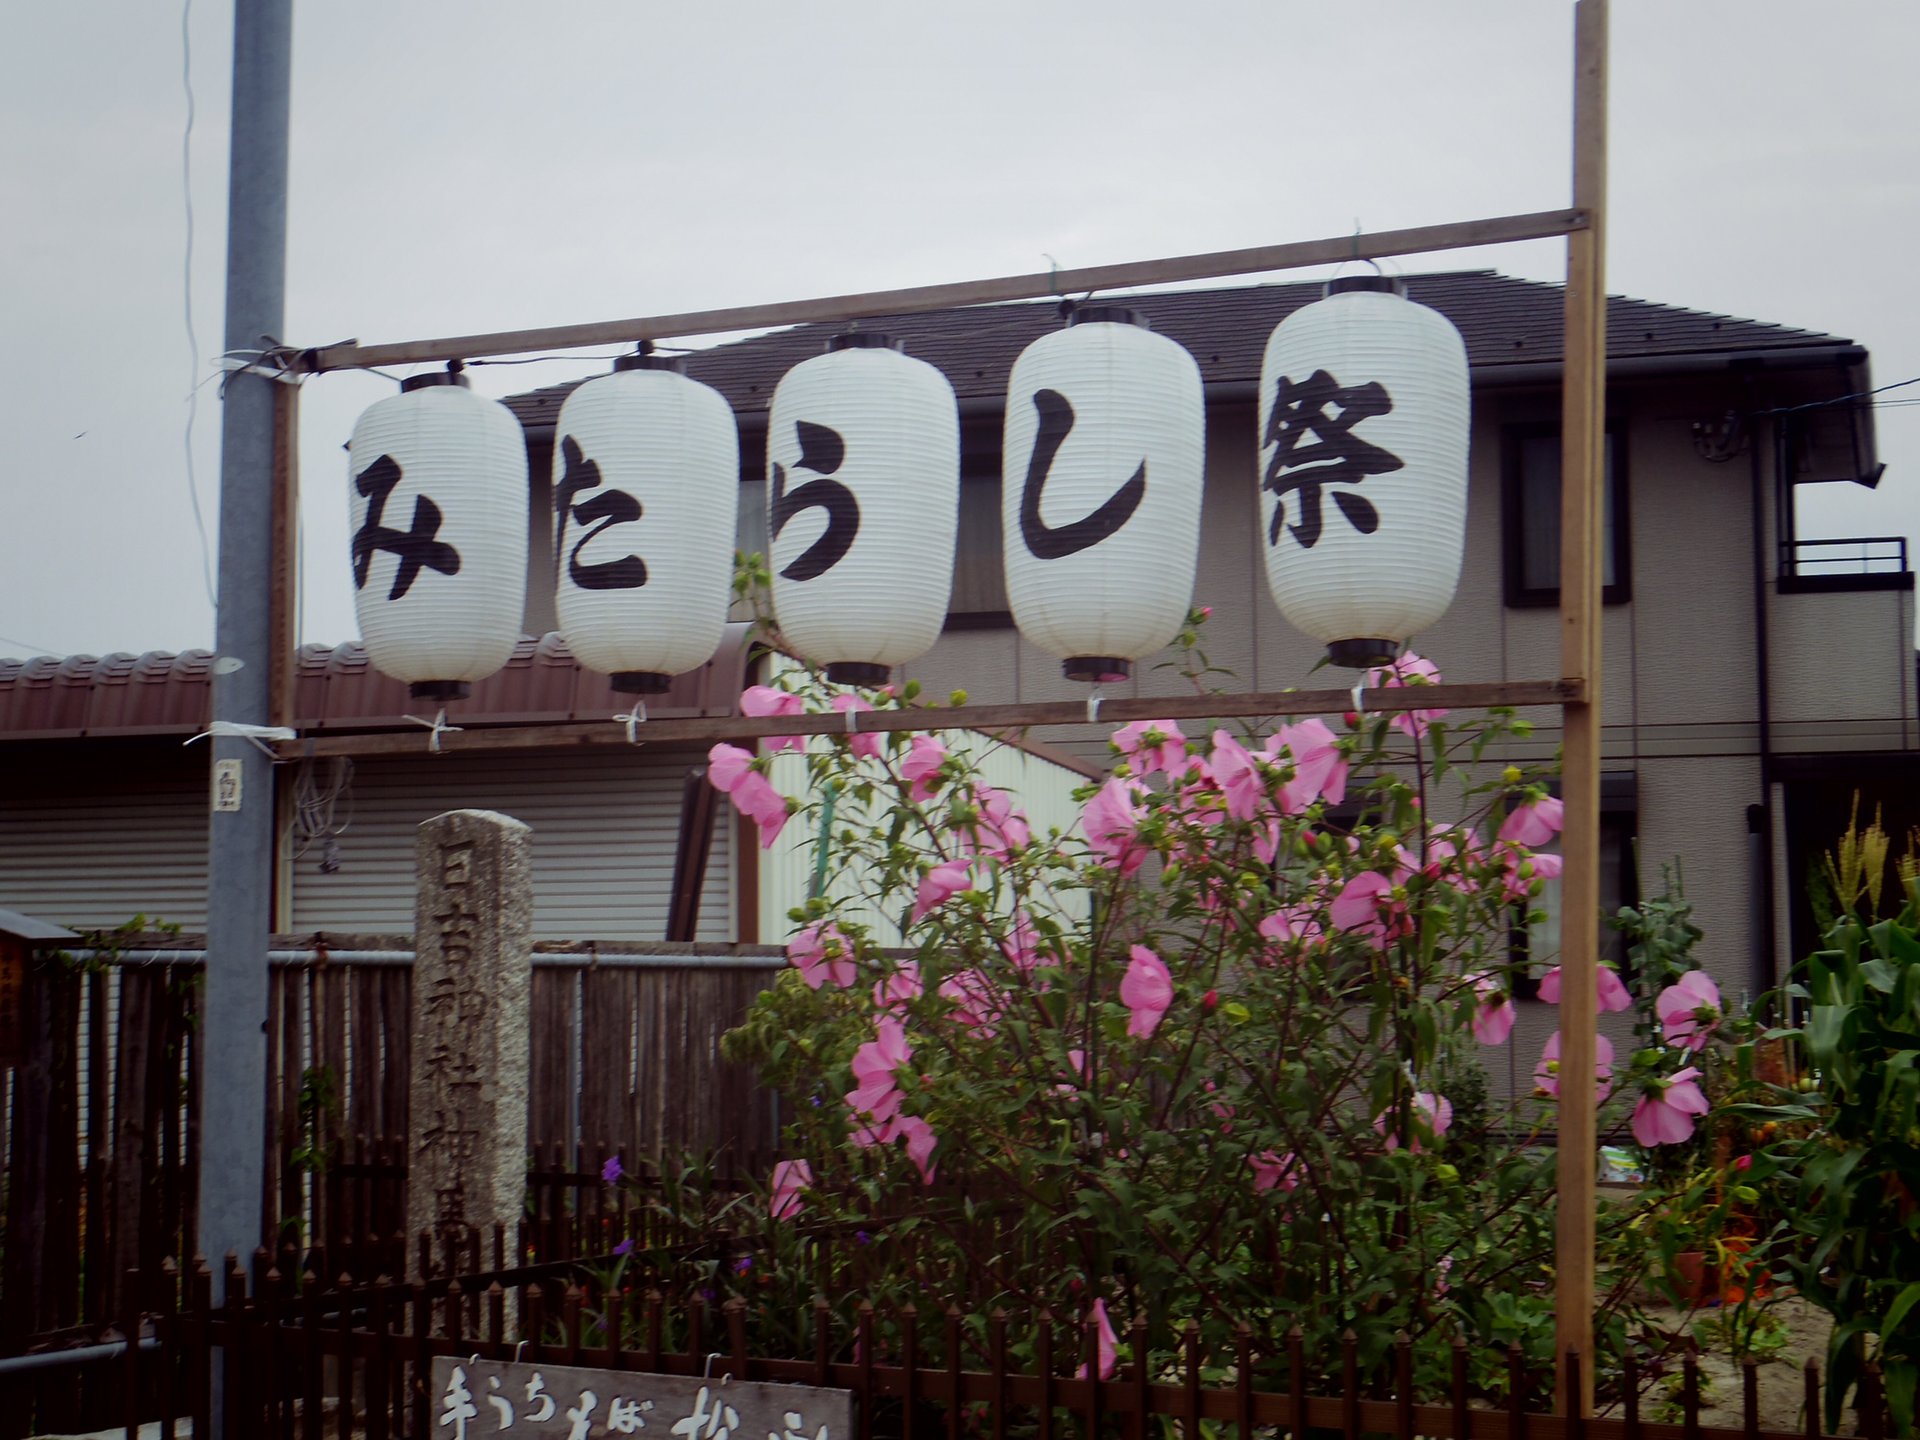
(1694, 1280)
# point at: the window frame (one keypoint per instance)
(1618, 818)
(1520, 596)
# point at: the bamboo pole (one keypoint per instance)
(710, 729)
(1583, 439)
(1501, 230)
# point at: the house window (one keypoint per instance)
(979, 568)
(1531, 505)
(1537, 945)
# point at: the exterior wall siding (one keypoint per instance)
(605, 827)
(89, 841)
(787, 869)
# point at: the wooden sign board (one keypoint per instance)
(477, 1399)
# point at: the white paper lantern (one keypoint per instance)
(1100, 499)
(1363, 467)
(646, 487)
(438, 487)
(863, 505)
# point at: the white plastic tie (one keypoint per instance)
(234, 365)
(1358, 707)
(436, 727)
(633, 719)
(258, 734)
(1093, 707)
(853, 720)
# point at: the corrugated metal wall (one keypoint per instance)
(90, 841)
(604, 830)
(1040, 787)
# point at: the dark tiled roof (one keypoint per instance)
(337, 689)
(1504, 321)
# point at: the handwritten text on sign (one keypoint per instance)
(479, 1398)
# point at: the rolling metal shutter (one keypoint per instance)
(92, 845)
(604, 831)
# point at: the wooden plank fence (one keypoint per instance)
(309, 1359)
(100, 1152)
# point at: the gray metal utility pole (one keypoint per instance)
(240, 836)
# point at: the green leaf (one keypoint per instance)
(1896, 1312)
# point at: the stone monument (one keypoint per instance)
(472, 977)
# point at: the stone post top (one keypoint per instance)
(489, 818)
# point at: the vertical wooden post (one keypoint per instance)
(283, 600)
(1583, 439)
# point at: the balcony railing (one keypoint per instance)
(1862, 555)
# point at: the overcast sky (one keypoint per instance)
(468, 165)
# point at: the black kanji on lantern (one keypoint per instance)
(822, 450)
(1337, 456)
(600, 512)
(417, 548)
(1054, 543)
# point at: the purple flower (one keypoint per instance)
(861, 1237)
(612, 1170)
(625, 1247)
(743, 1265)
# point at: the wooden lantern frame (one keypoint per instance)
(1576, 691)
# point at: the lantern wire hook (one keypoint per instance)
(436, 727)
(632, 719)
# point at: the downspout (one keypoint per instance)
(1765, 947)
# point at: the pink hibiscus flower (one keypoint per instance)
(1689, 1010)
(865, 744)
(1237, 774)
(790, 1178)
(1153, 746)
(921, 768)
(1146, 990)
(1432, 1115)
(898, 990)
(731, 770)
(822, 954)
(940, 884)
(1105, 1343)
(1546, 1074)
(1273, 1171)
(978, 1002)
(1493, 1015)
(1319, 765)
(1366, 906)
(1409, 669)
(1111, 820)
(1534, 822)
(920, 1143)
(1293, 928)
(763, 700)
(1664, 1115)
(877, 1095)
(1001, 828)
(1523, 869)
(1613, 990)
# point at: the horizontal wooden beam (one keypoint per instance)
(713, 729)
(1500, 230)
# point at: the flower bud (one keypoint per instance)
(1210, 999)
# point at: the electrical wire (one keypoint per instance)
(1846, 399)
(314, 803)
(193, 341)
(29, 645)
